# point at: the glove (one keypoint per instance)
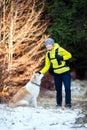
(39, 72)
(59, 57)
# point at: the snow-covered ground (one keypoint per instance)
(28, 118)
(41, 118)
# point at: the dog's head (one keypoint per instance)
(36, 78)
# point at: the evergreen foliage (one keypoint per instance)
(68, 26)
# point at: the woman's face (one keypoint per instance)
(49, 47)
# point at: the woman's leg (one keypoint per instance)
(58, 87)
(67, 84)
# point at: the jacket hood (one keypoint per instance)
(56, 45)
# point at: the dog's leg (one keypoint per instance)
(35, 102)
(11, 104)
(22, 103)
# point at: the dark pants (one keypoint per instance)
(58, 80)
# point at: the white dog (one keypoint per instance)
(28, 93)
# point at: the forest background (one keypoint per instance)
(25, 24)
(68, 27)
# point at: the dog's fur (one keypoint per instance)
(28, 93)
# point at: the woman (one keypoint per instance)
(57, 57)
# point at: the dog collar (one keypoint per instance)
(35, 83)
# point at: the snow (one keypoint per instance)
(42, 118)
(29, 118)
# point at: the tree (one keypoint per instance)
(22, 33)
(68, 26)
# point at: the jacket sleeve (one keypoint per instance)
(47, 65)
(66, 55)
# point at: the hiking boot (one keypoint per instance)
(68, 105)
(58, 106)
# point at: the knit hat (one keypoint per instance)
(49, 41)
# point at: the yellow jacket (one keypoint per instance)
(59, 69)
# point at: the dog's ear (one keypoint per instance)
(34, 76)
(33, 73)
